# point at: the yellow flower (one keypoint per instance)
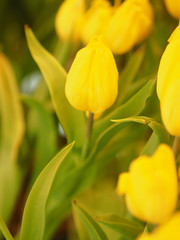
(95, 19)
(173, 7)
(168, 84)
(92, 82)
(168, 231)
(68, 19)
(151, 186)
(130, 24)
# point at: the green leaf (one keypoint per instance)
(129, 73)
(157, 128)
(11, 135)
(5, 230)
(33, 222)
(45, 132)
(124, 226)
(114, 139)
(72, 120)
(151, 145)
(132, 107)
(94, 230)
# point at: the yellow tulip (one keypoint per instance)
(168, 231)
(92, 82)
(130, 24)
(95, 19)
(68, 19)
(173, 7)
(150, 186)
(168, 84)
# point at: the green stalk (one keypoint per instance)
(88, 135)
(5, 230)
(176, 146)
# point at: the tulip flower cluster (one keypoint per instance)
(122, 25)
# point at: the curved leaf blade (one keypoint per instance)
(157, 128)
(95, 231)
(5, 230)
(44, 127)
(33, 222)
(72, 120)
(11, 135)
(129, 73)
(124, 226)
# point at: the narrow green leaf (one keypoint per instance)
(72, 120)
(12, 122)
(151, 145)
(5, 230)
(33, 222)
(157, 128)
(129, 73)
(44, 128)
(95, 231)
(124, 226)
(11, 134)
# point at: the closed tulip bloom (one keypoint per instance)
(173, 7)
(68, 19)
(168, 84)
(95, 19)
(150, 187)
(130, 24)
(92, 82)
(168, 231)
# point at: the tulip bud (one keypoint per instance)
(68, 19)
(92, 82)
(95, 19)
(169, 230)
(150, 186)
(168, 84)
(173, 8)
(130, 24)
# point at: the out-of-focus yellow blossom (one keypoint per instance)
(68, 19)
(95, 19)
(151, 186)
(92, 82)
(130, 24)
(168, 231)
(173, 7)
(168, 84)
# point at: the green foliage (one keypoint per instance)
(29, 135)
(125, 227)
(33, 221)
(72, 121)
(5, 230)
(95, 232)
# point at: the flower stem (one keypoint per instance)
(89, 125)
(88, 135)
(176, 146)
